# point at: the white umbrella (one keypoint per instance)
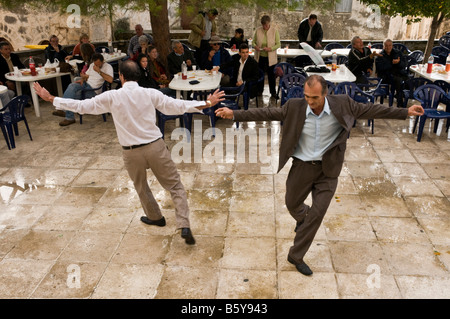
(313, 54)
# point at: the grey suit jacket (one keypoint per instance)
(293, 115)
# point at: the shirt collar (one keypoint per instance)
(130, 84)
(326, 109)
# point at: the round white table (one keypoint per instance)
(3, 89)
(30, 79)
(207, 82)
(342, 74)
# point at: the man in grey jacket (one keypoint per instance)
(315, 133)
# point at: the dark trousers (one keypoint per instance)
(264, 65)
(305, 178)
(204, 46)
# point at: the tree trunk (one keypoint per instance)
(159, 18)
(435, 24)
(188, 11)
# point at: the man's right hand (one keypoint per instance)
(225, 113)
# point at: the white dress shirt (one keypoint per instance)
(95, 80)
(319, 131)
(133, 110)
(241, 67)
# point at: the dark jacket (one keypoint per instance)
(4, 66)
(293, 115)
(237, 42)
(174, 61)
(224, 58)
(385, 67)
(316, 32)
(51, 54)
(146, 80)
(359, 62)
(250, 72)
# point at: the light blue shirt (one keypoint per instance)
(317, 135)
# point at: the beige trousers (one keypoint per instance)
(156, 156)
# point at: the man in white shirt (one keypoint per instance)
(98, 72)
(134, 112)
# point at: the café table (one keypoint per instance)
(438, 72)
(342, 74)
(284, 53)
(207, 82)
(30, 79)
(345, 52)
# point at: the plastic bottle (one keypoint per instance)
(447, 64)
(250, 45)
(430, 64)
(32, 66)
(110, 47)
(334, 62)
(184, 71)
(369, 45)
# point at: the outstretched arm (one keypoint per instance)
(415, 110)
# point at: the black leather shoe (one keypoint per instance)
(302, 268)
(161, 222)
(187, 235)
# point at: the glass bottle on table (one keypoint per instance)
(430, 64)
(184, 71)
(447, 64)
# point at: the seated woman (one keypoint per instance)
(146, 80)
(96, 73)
(76, 53)
(157, 70)
(238, 38)
(143, 47)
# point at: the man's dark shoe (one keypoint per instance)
(59, 113)
(161, 222)
(66, 122)
(187, 235)
(302, 268)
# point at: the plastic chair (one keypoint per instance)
(440, 54)
(410, 85)
(249, 89)
(349, 46)
(302, 61)
(402, 48)
(105, 86)
(445, 86)
(288, 81)
(342, 59)
(232, 95)
(100, 49)
(281, 69)
(185, 121)
(377, 46)
(331, 88)
(430, 96)
(445, 41)
(358, 95)
(375, 88)
(333, 45)
(12, 114)
(295, 92)
(418, 55)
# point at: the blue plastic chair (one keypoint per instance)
(280, 70)
(333, 45)
(331, 88)
(105, 86)
(358, 95)
(342, 59)
(185, 121)
(418, 55)
(410, 85)
(429, 96)
(290, 80)
(377, 46)
(440, 54)
(249, 89)
(445, 41)
(295, 92)
(402, 48)
(232, 95)
(11, 115)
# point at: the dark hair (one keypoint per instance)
(140, 57)
(87, 52)
(239, 30)
(4, 43)
(312, 79)
(265, 19)
(243, 46)
(97, 56)
(213, 12)
(130, 70)
(312, 16)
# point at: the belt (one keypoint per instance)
(308, 162)
(137, 146)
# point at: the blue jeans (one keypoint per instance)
(6, 97)
(73, 91)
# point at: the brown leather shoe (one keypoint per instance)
(59, 113)
(66, 122)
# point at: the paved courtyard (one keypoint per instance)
(70, 228)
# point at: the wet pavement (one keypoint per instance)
(70, 228)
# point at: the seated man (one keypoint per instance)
(8, 61)
(55, 50)
(134, 45)
(245, 69)
(97, 73)
(217, 56)
(392, 69)
(177, 56)
(310, 31)
(360, 60)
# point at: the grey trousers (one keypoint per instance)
(156, 156)
(305, 178)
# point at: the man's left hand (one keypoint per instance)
(415, 110)
(42, 92)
